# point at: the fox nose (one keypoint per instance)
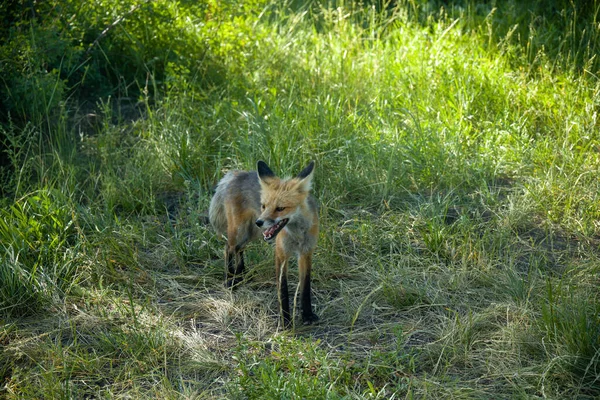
(259, 222)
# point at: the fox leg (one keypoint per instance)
(239, 233)
(282, 286)
(229, 267)
(234, 266)
(304, 267)
(234, 272)
(234, 261)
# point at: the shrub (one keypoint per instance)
(38, 258)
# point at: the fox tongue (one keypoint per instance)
(271, 230)
(268, 234)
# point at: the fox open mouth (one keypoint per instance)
(275, 229)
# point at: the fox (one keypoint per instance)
(248, 205)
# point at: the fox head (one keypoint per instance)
(283, 201)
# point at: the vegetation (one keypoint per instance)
(458, 158)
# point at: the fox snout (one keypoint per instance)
(264, 223)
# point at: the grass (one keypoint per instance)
(457, 175)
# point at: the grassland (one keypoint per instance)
(458, 154)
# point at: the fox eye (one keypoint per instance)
(262, 206)
(279, 209)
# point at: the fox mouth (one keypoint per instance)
(275, 229)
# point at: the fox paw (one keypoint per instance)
(233, 282)
(309, 319)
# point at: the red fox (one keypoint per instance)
(247, 204)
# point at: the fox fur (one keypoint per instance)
(248, 205)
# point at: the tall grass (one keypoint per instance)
(457, 175)
(40, 254)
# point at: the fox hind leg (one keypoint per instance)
(239, 233)
(234, 267)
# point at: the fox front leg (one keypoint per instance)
(304, 267)
(282, 289)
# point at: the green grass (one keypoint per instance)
(457, 172)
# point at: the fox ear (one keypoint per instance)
(307, 170)
(305, 177)
(264, 172)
